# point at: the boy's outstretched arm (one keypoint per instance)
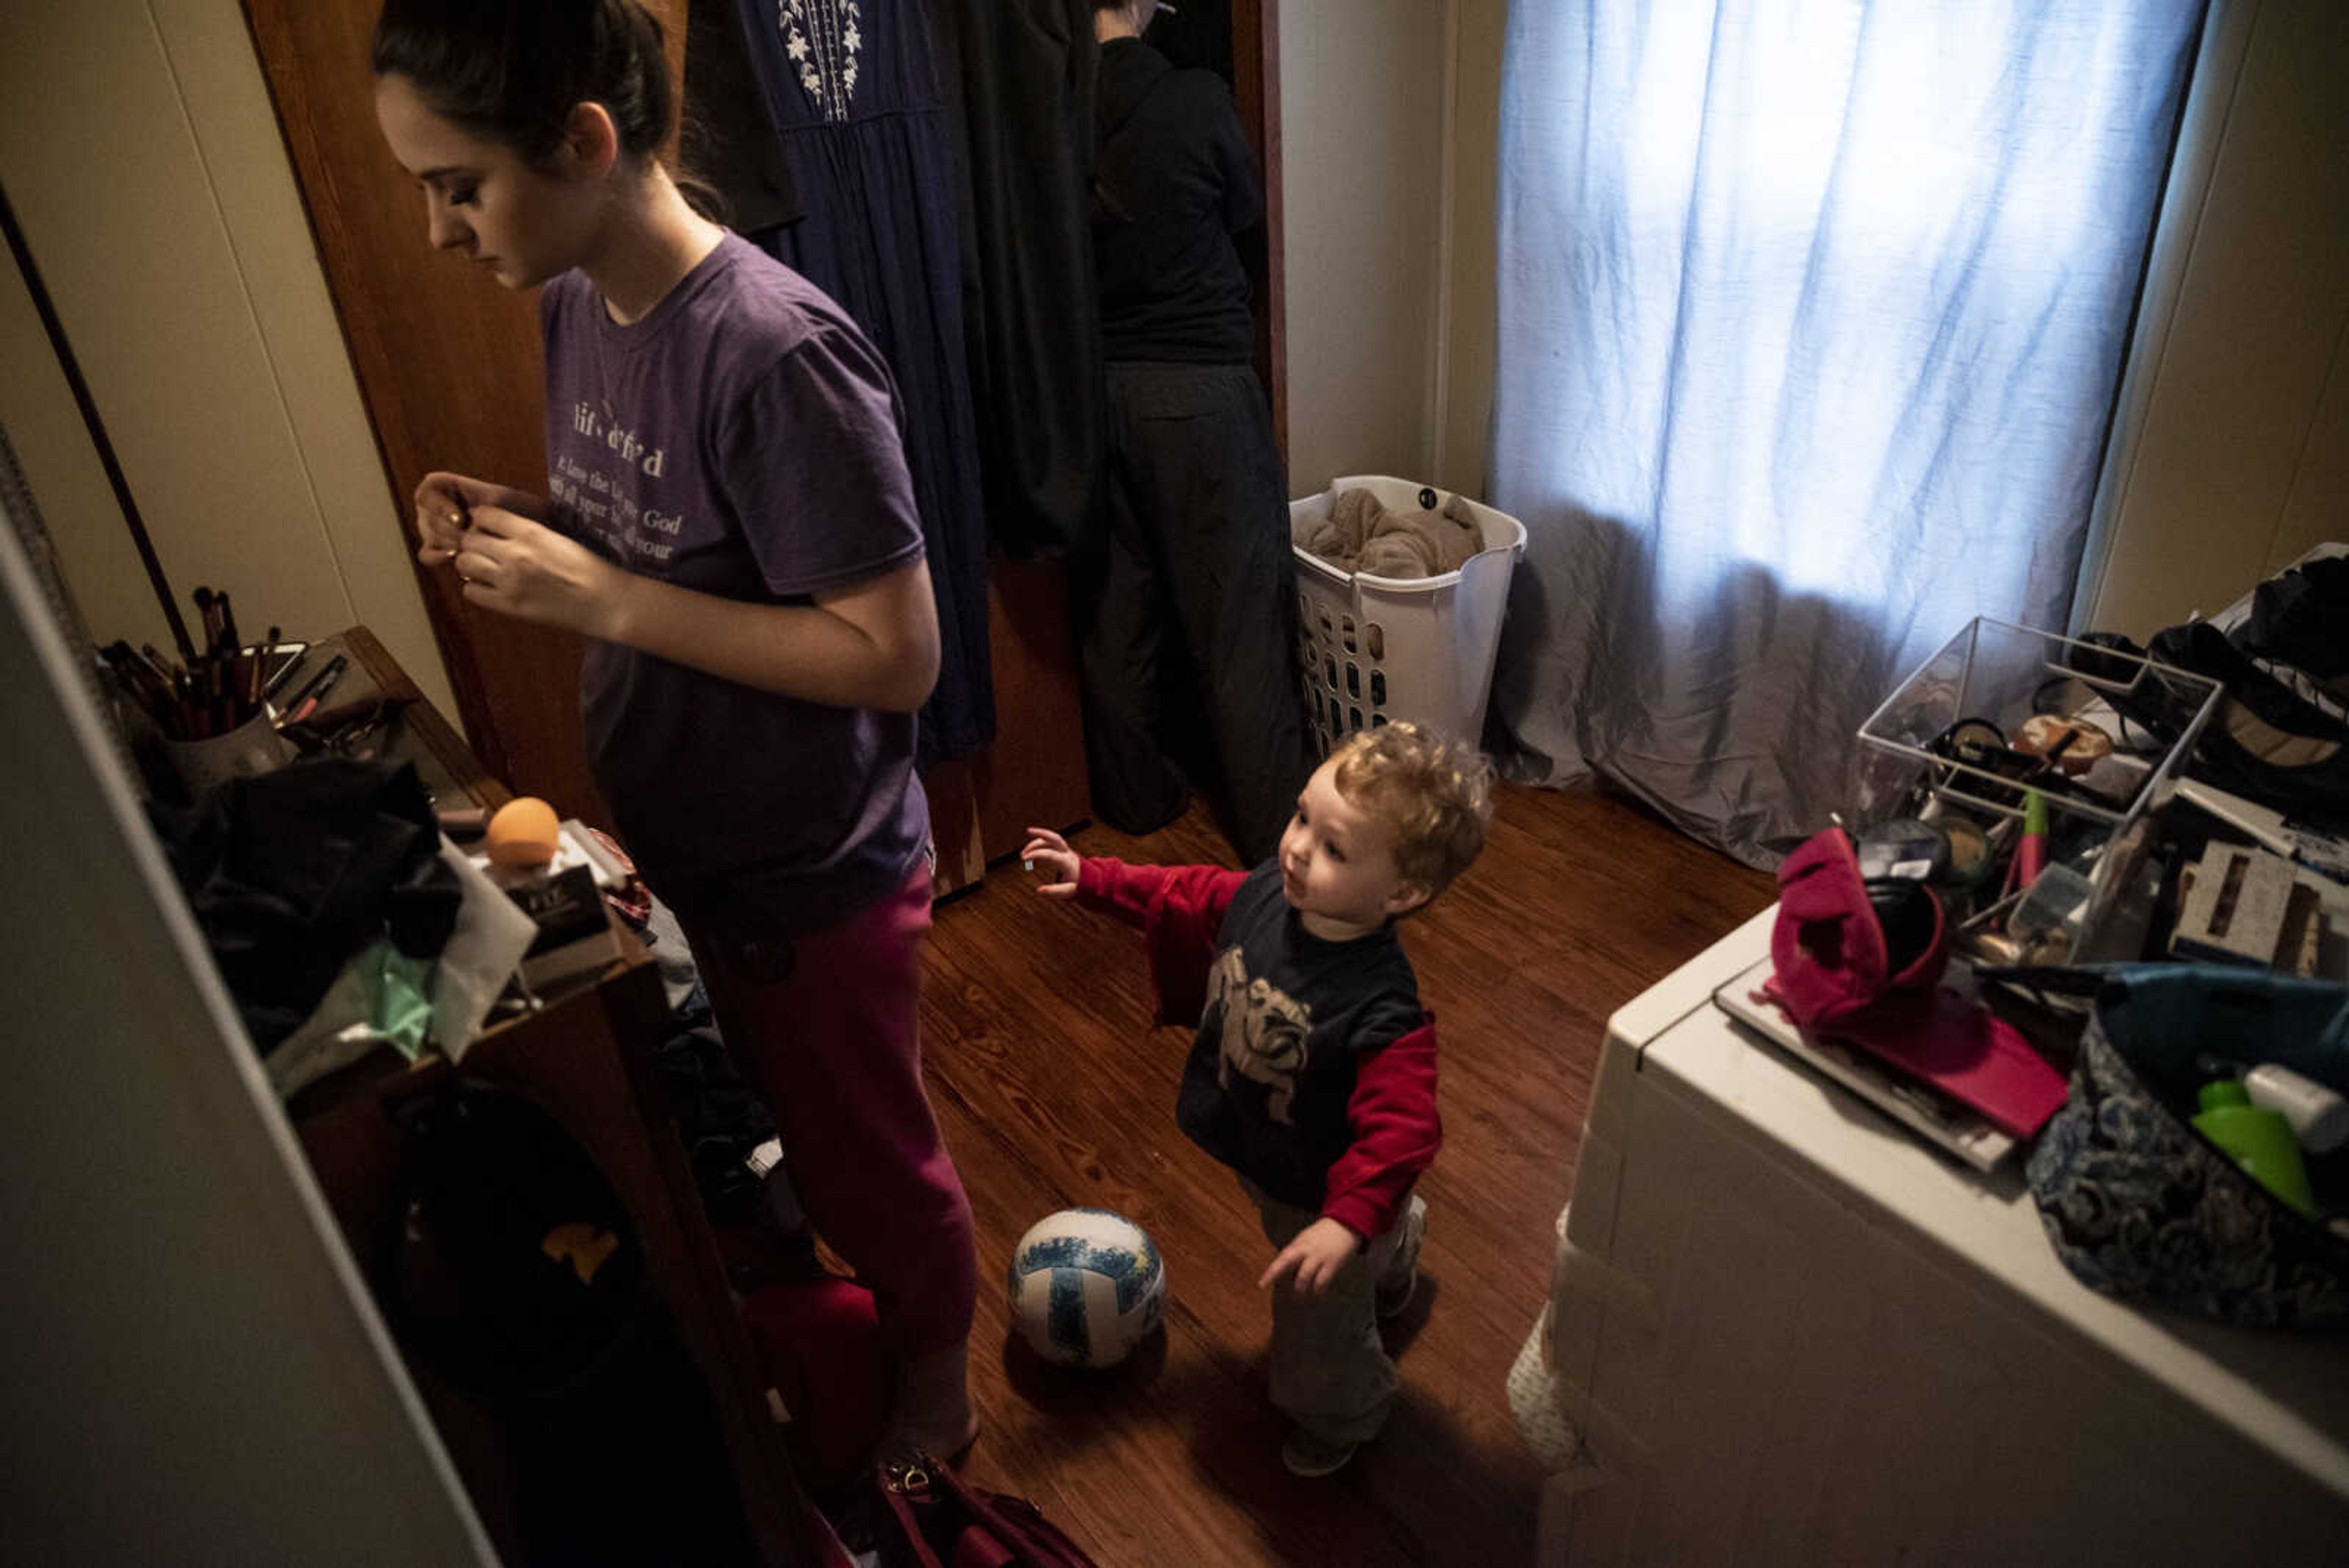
(1179, 910)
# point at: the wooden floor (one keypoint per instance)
(1054, 1092)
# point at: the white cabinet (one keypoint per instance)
(1791, 1333)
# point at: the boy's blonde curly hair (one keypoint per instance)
(1435, 795)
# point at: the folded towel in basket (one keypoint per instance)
(1362, 535)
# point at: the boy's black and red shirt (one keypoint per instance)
(1312, 1071)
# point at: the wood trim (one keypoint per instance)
(277, 43)
(1433, 443)
(1034, 775)
(952, 789)
(1255, 86)
(981, 806)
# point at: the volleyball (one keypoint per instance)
(1086, 1287)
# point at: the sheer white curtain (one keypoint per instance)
(1811, 315)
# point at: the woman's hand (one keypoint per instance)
(527, 570)
(1314, 1256)
(441, 502)
(444, 504)
(1048, 854)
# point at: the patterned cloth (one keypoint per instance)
(2140, 1206)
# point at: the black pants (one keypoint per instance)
(1189, 650)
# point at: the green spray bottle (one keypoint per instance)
(2261, 1141)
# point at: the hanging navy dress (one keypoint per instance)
(853, 97)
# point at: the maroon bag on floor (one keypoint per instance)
(928, 1517)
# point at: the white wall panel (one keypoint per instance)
(139, 150)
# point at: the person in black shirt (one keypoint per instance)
(1189, 661)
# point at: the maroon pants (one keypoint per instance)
(827, 1026)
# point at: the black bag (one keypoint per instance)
(512, 1269)
(2136, 1201)
(512, 1265)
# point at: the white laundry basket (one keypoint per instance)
(1375, 650)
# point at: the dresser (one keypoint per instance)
(1788, 1331)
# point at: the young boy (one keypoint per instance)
(1313, 1071)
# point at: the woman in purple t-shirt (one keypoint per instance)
(728, 522)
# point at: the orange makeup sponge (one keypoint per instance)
(523, 833)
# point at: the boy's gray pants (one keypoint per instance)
(1330, 1373)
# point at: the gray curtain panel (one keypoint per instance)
(1811, 319)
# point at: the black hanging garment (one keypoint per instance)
(1187, 615)
(1019, 77)
(729, 138)
(853, 97)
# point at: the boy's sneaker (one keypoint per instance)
(1304, 1453)
(1396, 1288)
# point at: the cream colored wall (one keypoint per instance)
(138, 146)
(2232, 457)
(1390, 118)
(1361, 127)
(61, 465)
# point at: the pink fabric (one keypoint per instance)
(1826, 948)
(819, 1343)
(1963, 1050)
(1831, 976)
(827, 1026)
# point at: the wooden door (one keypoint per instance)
(450, 366)
(1034, 774)
(1256, 85)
